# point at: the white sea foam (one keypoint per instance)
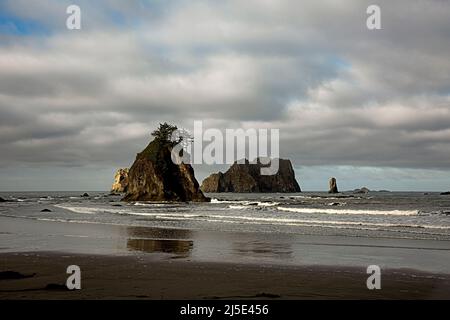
(90, 210)
(148, 204)
(314, 222)
(350, 211)
(246, 203)
(268, 204)
(237, 207)
(275, 220)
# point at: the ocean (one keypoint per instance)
(393, 229)
(376, 214)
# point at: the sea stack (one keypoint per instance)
(246, 178)
(333, 186)
(120, 184)
(155, 177)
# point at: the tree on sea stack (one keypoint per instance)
(154, 177)
(164, 133)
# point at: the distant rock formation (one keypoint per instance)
(154, 177)
(362, 190)
(246, 178)
(333, 186)
(120, 184)
(445, 193)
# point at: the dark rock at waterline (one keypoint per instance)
(363, 190)
(85, 195)
(155, 177)
(46, 210)
(445, 193)
(2, 200)
(13, 275)
(334, 204)
(333, 186)
(246, 177)
(56, 287)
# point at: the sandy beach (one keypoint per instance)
(147, 277)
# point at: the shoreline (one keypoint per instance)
(149, 262)
(206, 246)
(158, 277)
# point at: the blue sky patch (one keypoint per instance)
(18, 26)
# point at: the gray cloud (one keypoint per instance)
(340, 94)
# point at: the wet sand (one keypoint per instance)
(159, 277)
(125, 262)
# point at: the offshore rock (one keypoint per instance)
(120, 184)
(247, 178)
(333, 186)
(154, 177)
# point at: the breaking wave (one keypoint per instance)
(350, 211)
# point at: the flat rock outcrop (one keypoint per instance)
(247, 178)
(363, 190)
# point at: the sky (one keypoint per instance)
(369, 107)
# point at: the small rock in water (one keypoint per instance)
(85, 195)
(334, 204)
(117, 205)
(46, 210)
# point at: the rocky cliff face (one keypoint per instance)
(333, 186)
(120, 184)
(247, 177)
(154, 177)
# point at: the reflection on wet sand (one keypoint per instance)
(152, 240)
(263, 249)
(158, 233)
(179, 247)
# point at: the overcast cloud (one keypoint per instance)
(370, 107)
